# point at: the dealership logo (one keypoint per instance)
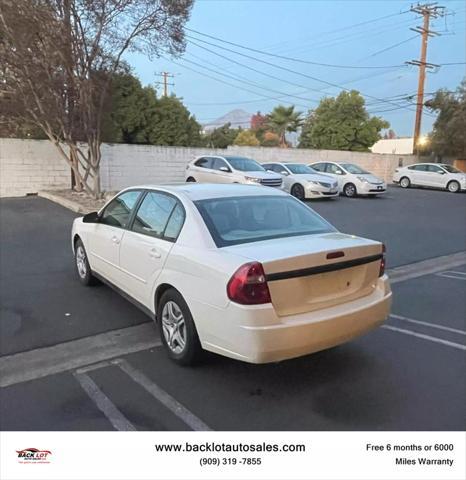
(33, 455)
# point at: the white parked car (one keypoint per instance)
(437, 175)
(304, 182)
(352, 179)
(230, 169)
(243, 271)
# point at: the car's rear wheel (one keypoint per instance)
(453, 186)
(350, 190)
(297, 190)
(177, 329)
(405, 182)
(190, 179)
(83, 268)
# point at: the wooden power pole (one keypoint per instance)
(427, 11)
(165, 76)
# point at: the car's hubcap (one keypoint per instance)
(174, 327)
(350, 190)
(81, 261)
(404, 182)
(298, 192)
(453, 187)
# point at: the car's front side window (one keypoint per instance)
(153, 214)
(435, 169)
(218, 163)
(320, 167)
(335, 169)
(118, 212)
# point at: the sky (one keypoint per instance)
(344, 33)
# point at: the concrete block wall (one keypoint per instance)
(27, 166)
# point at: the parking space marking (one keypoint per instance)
(425, 337)
(427, 324)
(104, 404)
(41, 362)
(452, 274)
(163, 397)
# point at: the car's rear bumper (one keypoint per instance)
(257, 335)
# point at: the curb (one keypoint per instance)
(69, 204)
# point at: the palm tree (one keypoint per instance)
(282, 120)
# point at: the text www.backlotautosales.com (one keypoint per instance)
(214, 447)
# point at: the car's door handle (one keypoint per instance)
(115, 240)
(153, 253)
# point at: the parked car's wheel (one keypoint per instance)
(405, 182)
(350, 190)
(190, 179)
(177, 329)
(82, 265)
(297, 190)
(453, 186)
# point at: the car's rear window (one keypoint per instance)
(236, 220)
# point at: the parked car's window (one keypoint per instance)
(153, 214)
(204, 162)
(355, 169)
(418, 168)
(237, 220)
(332, 168)
(451, 169)
(274, 168)
(435, 169)
(320, 167)
(245, 164)
(175, 223)
(218, 163)
(298, 168)
(118, 212)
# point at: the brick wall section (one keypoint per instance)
(27, 166)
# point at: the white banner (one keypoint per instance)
(232, 455)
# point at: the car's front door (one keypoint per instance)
(435, 176)
(336, 172)
(104, 237)
(223, 173)
(148, 242)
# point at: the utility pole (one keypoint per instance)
(427, 11)
(165, 76)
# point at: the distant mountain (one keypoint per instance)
(237, 118)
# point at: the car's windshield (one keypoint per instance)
(451, 169)
(245, 164)
(236, 220)
(298, 168)
(351, 168)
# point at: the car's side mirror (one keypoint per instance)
(339, 172)
(284, 172)
(225, 169)
(441, 173)
(92, 217)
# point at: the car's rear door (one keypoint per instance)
(147, 244)
(201, 169)
(104, 238)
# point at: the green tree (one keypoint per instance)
(341, 123)
(282, 120)
(221, 137)
(246, 138)
(448, 137)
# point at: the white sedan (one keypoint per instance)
(243, 271)
(436, 175)
(304, 182)
(352, 179)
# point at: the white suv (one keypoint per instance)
(230, 169)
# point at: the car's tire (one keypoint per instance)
(453, 186)
(297, 190)
(405, 182)
(350, 190)
(81, 263)
(177, 329)
(190, 179)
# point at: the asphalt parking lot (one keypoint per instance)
(407, 375)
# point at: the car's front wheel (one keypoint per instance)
(405, 182)
(297, 190)
(82, 265)
(453, 186)
(350, 190)
(177, 329)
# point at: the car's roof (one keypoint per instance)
(202, 191)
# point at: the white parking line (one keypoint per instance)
(104, 404)
(163, 397)
(427, 324)
(425, 337)
(451, 274)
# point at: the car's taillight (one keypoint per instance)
(382, 261)
(248, 285)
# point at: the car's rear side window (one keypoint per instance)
(204, 162)
(118, 212)
(154, 213)
(236, 220)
